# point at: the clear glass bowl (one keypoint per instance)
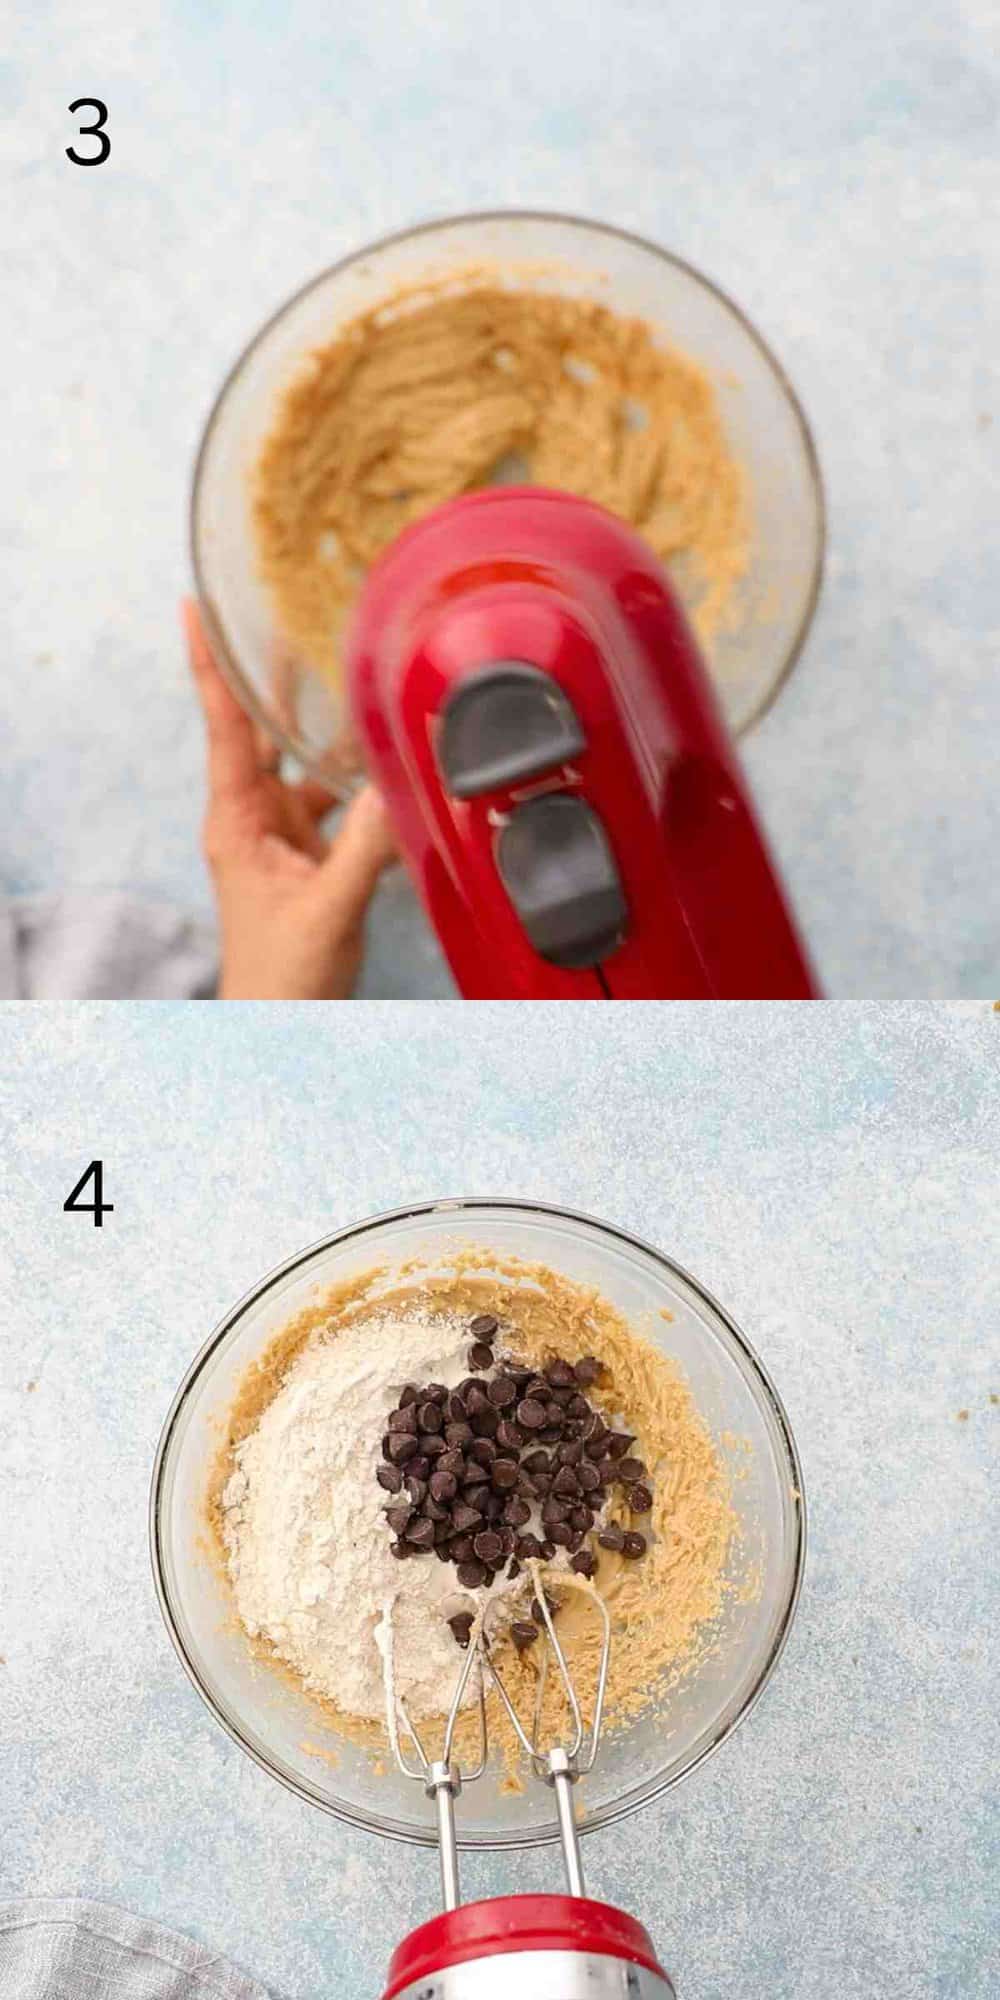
(274, 1723)
(764, 422)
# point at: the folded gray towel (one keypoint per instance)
(51, 1949)
(102, 946)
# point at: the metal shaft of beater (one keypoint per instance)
(561, 1778)
(442, 1786)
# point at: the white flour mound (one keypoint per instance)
(308, 1548)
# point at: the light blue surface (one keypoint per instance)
(835, 168)
(831, 1174)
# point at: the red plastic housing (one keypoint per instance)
(508, 1924)
(534, 576)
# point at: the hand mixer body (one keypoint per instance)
(545, 1947)
(535, 710)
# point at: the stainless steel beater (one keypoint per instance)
(568, 1947)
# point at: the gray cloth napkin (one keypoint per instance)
(52, 1949)
(102, 946)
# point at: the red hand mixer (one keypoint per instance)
(555, 1947)
(534, 708)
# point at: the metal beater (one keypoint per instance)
(567, 1946)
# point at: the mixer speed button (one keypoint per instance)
(557, 867)
(505, 722)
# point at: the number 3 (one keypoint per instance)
(96, 131)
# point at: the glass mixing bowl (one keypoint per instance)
(763, 420)
(277, 1724)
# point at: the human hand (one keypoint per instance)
(291, 907)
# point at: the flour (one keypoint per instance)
(308, 1548)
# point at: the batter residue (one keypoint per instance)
(432, 397)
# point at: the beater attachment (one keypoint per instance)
(559, 1765)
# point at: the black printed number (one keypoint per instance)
(98, 1208)
(94, 131)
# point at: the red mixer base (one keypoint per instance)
(573, 1925)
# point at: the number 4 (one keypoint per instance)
(98, 1208)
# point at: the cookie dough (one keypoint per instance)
(432, 396)
(662, 1608)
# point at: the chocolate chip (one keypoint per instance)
(588, 1370)
(608, 1471)
(399, 1517)
(581, 1518)
(442, 1549)
(629, 1470)
(543, 1482)
(563, 1397)
(471, 1575)
(390, 1478)
(464, 1387)
(550, 1435)
(420, 1534)
(477, 1400)
(483, 1451)
(475, 1474)
(429, 1417)
(466, 1517)
(403, 1421)
(434, 1511)
(578, 1406)
(640, 1498)
(409, 1395)
(507, 1536)
(432, 1444)
(634, 1546)
(554, 1510)
(528, 1547)
(531, 1415)
(562, 1534)
(560, 1375)
(489, 1547)
(584, 1563)
(475, 1497)
(400, 1549)
(566, 1481)
(596, 1444)
(588, 1477)
(444, 1486)
(458, 1435)
(554, 1416)
(510, 1436)
(502, 1391)
(547, 1551)
(523, 1633)
(618, 1443)
(536, 1461)
(480, 1356)
(461, 1625)
(461, 1549)
(451, 1461)
(493, 1506)
(571, 1452)
(577, 1541)
(485, 1422)
(504, 1475)
(537, 1388)
(420, 1466)
(513, 1568)
(416, 1488)
(402, 1447)
(516, 1512)
(436, 1392)
(455, 1409)
(484, 1326)
(522, 1376)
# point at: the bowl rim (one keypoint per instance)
(546, 1834)
(438, 225)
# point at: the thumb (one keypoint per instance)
(362, 847)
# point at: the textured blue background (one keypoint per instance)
(835, 167)
(830, 1173)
